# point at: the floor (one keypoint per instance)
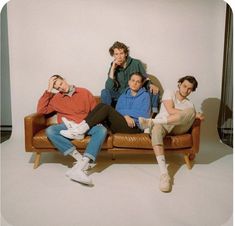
(125, 191)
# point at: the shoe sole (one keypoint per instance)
(81, 181)
(77, 137)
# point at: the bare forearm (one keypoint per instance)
(173, 111)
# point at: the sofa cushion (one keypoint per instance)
(143, 140)
(40, 140)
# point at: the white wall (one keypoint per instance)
(72, 37)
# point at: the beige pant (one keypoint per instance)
(182, 125)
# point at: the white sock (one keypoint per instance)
(162, 164)
(76, 155)
(84, 162)
(160, 120)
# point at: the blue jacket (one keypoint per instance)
(134, 106)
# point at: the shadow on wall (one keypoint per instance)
(156, 82)
(211, 147)
(153, 78)
(210, 108)
(225, 123)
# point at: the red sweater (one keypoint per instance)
(74, 108)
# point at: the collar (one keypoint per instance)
(71, 91)
(127, 61)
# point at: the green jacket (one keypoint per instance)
(123, 74)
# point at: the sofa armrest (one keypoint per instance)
(196, 134)
(33, 123)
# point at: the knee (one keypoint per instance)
(106, 96)
(50, 131)
(101, 130)
(190, 112)
(105, 92)
(187, 113)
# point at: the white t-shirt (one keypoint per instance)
(171, 95)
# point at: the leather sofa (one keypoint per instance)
(36, 140)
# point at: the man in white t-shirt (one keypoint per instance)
(176, 116)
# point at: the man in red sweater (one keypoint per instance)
(74, 104)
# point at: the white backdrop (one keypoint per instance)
(72, 38)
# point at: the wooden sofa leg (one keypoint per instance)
(113, 157)
(37, 160)
(187, 161)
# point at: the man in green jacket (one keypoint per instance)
(119, 74)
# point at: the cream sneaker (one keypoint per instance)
(145, 122)
(165, 183)
(86, 168)
(80, 176)
(78, 173)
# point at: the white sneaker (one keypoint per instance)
(78, 173)
(81, 177)
(71, 134)
(82, 128)
(87, 167)
(165, 182)
(69, 124)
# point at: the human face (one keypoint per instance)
(135, 83)
(185, 88)
(119, 56)
(61, 85)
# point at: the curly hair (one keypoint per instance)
(119, 45)
(191, 79)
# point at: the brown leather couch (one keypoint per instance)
(37, 142)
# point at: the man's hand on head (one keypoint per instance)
(51, 83)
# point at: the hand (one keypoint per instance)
(200, 116)
(51, 83)
(130, 121)
(112, 70)
(153, 89)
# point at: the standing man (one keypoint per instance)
(176, 116)
(74, 103)
(119, 74)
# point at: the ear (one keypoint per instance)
(129, 82)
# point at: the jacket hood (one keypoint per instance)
(128, 92)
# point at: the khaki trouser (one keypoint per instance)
(182, 125)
